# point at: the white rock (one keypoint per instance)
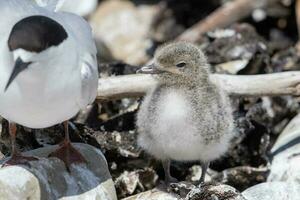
(273, 191)
(233, 67)
(286, 154)
(48, 179)
(123, 28)
(18, 183)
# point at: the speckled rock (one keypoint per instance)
(48, 178)
(154, 194)
(187, 191)
(214, 191)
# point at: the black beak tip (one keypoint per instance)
(6, 87)
(18, 68)
(8, 84)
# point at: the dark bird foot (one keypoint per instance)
(19, 160)
(166, 184)
(68, 154)
(200, 184)
(169, 180)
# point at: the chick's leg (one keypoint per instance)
(204, 167)
(66, 151)
(16, 157)
(168, 178)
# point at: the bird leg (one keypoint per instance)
(168, 178)
(66, 151)
(204, 167)
(16, 157)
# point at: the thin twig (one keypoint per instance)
(297, 10)
(224, 16)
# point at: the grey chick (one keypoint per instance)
(185, 117)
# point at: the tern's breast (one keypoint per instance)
(41, 102)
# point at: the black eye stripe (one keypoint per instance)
(181, 64)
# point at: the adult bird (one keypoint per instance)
(185, 117)
(48, 71)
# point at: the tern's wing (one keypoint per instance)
(89, 66)
(89, 82)
(89, 77)
(86, 48)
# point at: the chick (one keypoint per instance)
(185, 117)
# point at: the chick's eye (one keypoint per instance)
(181, 64)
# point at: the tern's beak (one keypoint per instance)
(150, 69)
(18, 68)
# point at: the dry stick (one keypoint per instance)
(118, 87)
(284, 83)
(224, 16)
(297, 8)
(298, 17)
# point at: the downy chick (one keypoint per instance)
(185, 117)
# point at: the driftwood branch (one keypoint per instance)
(224, 16)
(285, 83)
(297, 10)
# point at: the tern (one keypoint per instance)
(48, 71)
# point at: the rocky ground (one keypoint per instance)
(262, 42)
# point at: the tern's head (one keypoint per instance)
(32, 40)
(178, 62)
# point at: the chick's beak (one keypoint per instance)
(149, 69)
